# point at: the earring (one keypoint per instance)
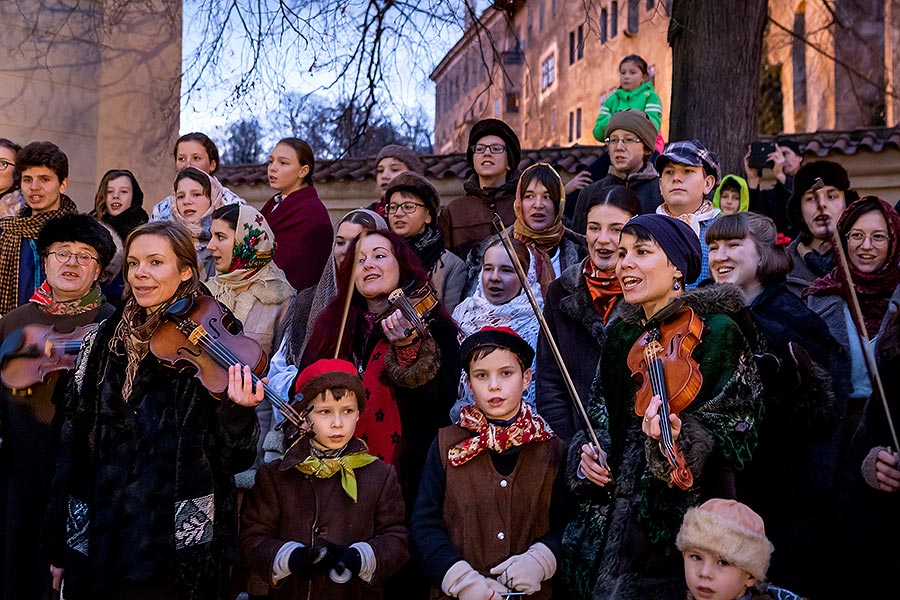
(676, 286)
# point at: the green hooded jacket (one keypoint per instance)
(745, 192)
(643, 98)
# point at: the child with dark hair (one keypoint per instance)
(635, 91)
(732, 195)
(44, 171)
(325, 521)
(505, 455)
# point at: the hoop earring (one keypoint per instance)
(676, 286)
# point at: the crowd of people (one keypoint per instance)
(657, 382)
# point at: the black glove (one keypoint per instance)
(304, 560)
(351, 561)
(331, 555)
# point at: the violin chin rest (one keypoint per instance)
(181, 307)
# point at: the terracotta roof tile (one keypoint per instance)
(822, 143)
(566, 159)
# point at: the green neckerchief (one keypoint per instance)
(324, 467)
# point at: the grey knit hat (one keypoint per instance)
(637, 122)
(403, 154)
(418, 186)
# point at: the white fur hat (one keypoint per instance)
(730, 530)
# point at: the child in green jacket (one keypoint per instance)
(635, 91)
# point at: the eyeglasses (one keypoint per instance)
(879, 238)
(5, 164)
(625, 140)
(407, 208)
(83, 259)
(494, 148)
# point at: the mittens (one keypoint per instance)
(525, 572)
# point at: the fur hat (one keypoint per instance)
(503, 131)
(327, 374)
(78, 228)
(637, 122)
(730, 530)
(419, 187)
(831, 173)
(403, 154)
(503, 337)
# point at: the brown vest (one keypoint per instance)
(490, 517)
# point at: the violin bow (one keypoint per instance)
(350, 284)
(859, 321)
(570, 385)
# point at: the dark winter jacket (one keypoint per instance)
(579, 333)
(801, 275)
(466, 221)
(644, 183)
(773, 204)
(627, 541)
(286, 505)
(144, 490)
(572, 250)
(29, 430)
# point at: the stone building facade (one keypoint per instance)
(546, 66)
(101, 79)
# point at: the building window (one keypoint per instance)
(553, 119)
(613, 19)
(580, 45)
(541, 16)
(512, 102)
(548, 72)
(604, 19)
(571, 47)
(553, 6)
(571, 127)
(497, 108)
(634, 17)
(651, 4)
(578, 124)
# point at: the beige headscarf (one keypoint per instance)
(252, 274)
(539, 242)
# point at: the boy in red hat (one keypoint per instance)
(327, 520)
(483, 522)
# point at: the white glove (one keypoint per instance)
(525, 572)
(463, 582)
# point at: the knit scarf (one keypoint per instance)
(705, 212)
(605, 289)
(873, 289)
(528, 427)
(540, 242)
(327, 463)
(26, 226)
(126, 221)
(43, 297)
(428, 246)
(379, 425)
(135, 328)
(251, 275)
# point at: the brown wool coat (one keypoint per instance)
(287, 505)
(513, 511)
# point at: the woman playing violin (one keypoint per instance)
(143, 496)
(76, 252)
(714, 433)
(410, 378)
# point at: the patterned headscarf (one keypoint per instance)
(540, 242)
(251, 269)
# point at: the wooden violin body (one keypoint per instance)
(198, 332)
(417, 306)
(660, 362)
(35, 352)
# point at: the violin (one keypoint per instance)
(34, 352)
(198, 332)
(660, 362)
(417, 307)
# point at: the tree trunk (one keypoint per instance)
(716, 49)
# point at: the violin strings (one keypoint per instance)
(226, 358)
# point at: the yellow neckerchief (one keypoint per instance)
(323, 468)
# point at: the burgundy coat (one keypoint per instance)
(303, 235)
(287, 505)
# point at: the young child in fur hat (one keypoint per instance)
(327, 520)
(489, 516)
(726, 553)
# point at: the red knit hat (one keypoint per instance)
(503, 337)
(326, 374)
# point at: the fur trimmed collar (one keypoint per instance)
(721, 298)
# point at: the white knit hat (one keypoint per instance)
(730, 530)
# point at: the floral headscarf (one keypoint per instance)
(251, 275)
(540, 242)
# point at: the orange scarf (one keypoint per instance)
(605, 289)
(540, 242)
